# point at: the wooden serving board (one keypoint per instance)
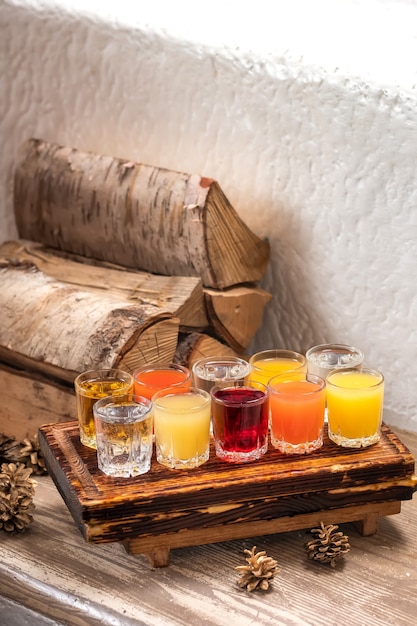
(166, 509)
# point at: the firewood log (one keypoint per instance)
(194, 346)
(180, 295)
(33, 400)
(60, 330)
(135, 215)
(236, 313)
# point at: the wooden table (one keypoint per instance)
(53, 571)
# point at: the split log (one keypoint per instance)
(33, 400)
(194, 346)
(135, 215)
(182, 296)
(236, 313)
(59, 330)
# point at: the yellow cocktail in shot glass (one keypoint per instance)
(182, 427)
(269, 363)
(355, 401)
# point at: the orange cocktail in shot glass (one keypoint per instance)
(157, 376)
(297, 403)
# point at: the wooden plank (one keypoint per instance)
(157, 548)
(32, 400)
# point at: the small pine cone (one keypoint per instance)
(9, 449)
(31, 455)
(16, 497)
(329, 544)
(259, 572)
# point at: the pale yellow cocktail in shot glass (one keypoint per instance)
(182, 427)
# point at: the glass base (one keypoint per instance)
(359, 442)
(299, 448)
(240, 457)
(89, 442)
(124, 471)
(173, 463)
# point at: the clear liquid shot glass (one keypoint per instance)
(123, 435)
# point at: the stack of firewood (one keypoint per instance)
(117, 264)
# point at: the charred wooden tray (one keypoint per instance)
(166, 509)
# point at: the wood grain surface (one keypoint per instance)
(51, 570)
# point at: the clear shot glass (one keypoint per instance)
(212, 370)
(123, 435)
(326, 357)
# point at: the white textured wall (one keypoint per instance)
(306, 114)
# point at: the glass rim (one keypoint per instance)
(123, 398)
(219, 360)
(127, 400)
(291, 376)
(253, 386)
(162, 366)
(322, 347)
(104, 372)
(297, 357)
(191, 391)
(379, 377)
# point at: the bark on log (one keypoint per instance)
(58, 330)
(135, 215)
(236, 313)
(180, 295)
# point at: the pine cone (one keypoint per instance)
(259, 572)
(26, 451)
(328, 545)
(9, 449)
(16, 497)
(31, 456)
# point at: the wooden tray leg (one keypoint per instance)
(158, 556)
(368, 524)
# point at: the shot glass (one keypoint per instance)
(355, 400)
(240, 421)
(92, 385)
(182, 427)
(296, 404)
(212, 370)
(123, 435)
(324, 358)
(270, 363)
(156, 376)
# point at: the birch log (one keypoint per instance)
(182, 296)
(135, 215)
(59, 330)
